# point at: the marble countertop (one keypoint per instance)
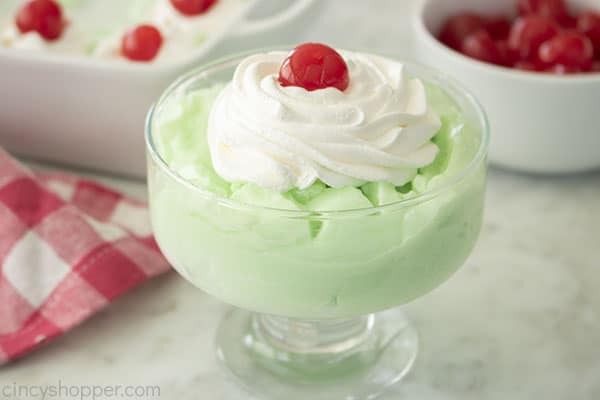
(520, 321)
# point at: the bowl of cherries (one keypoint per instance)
(535, 66)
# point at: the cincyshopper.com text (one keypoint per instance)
(63, 391)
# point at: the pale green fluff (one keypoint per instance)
(303, 263)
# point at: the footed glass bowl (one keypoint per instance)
(306, 283)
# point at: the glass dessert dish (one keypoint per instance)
(307, 281)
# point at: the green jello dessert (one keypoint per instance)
(318, 252)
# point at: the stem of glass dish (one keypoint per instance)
(313, 349)
(314, 337)
(299, 359)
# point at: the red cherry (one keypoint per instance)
(554, 9)
(528, 33)
(508, 56)
(41, 16)
(314, 66)
(588, 23)
(458, 27)
(528, 66)
(569, 49)
(481, 46)
(595, 66)
(192, 7)
(568, 22)
(141, 43)
(559, 69)
(498, 27)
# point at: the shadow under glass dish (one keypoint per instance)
(305, 323)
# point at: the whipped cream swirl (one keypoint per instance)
(378, 130)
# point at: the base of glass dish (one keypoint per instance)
(285, 358)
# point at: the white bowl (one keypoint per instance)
(540, 123)
(90, 112)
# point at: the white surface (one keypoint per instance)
(542, 123)
(520, 321)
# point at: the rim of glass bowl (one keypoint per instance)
(454, 89)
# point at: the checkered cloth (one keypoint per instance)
(68, 247)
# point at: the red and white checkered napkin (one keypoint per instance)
(68, 247)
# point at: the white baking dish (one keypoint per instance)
(90, 113)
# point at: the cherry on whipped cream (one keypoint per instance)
(141, 43)
(314, 66)
(42, 16)
(192, 7)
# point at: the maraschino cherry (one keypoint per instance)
(498, 27)
(528, 34)
(531, 66)
(314, 66)
(457, 28)
(554, 9)
(42, 16)
(571, 50)
(192, 7)
(141, 43)
(481, 46)
(588, 23)
(546, 36)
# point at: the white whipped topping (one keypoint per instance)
(378, 129)
(163, 16)
(70, 41)
(182, 34)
